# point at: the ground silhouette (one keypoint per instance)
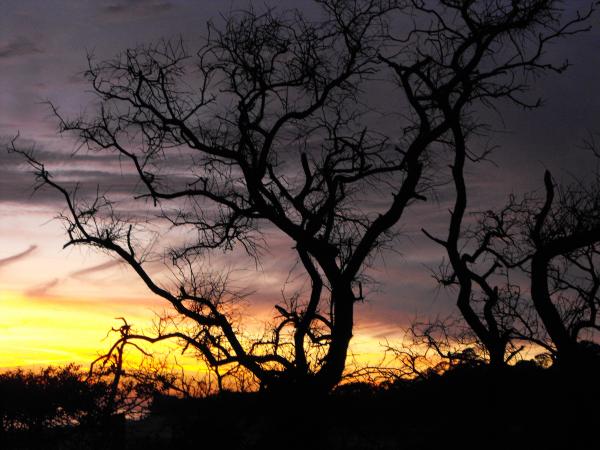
(468, 406)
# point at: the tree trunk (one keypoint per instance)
(335, 361)
(497, 353)
(301, 384)
(566, 347)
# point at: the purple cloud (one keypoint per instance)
(42, 289)
(133, 8)
(18, 256)
(20, 46)
(96, 268)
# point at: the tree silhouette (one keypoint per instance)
(554, 241)
(267, 123)
(263, 86)
(50, 398)
(513, 35)
(59, 406)
(565, 238)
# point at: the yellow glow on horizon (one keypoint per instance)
(42, 331)
(37, 332)
(57, 306)
(35, 335)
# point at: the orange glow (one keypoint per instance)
(41, 331)
(57, 306)
(34, 334)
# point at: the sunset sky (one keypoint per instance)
(56, 305)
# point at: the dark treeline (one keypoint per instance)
(522, 406)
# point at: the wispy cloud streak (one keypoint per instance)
(93, 269)
(20, 46)
(42, 289)
(18, 256)
(135, 8)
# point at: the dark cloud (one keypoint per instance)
(89, 172)
(20, 46)
(134, 8)
(18, 256)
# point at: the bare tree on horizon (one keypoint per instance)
(269, 118)
(483, 284)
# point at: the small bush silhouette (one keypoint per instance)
(51, 398)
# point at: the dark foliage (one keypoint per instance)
(56, 406)
(521, 406)
(468, 406)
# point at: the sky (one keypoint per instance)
(57, 305)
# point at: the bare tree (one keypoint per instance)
(435, 346)
(266, 121)
(565, 238)
(551, 244)
(486, 53)
(494, 310)
(555, 242)
(242, 114)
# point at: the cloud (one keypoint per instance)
(20, 46)
(42, 289)
(94, 269)
(18, 256)
(135, 8)
(91, 172)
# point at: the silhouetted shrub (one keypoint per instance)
(53, 397)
